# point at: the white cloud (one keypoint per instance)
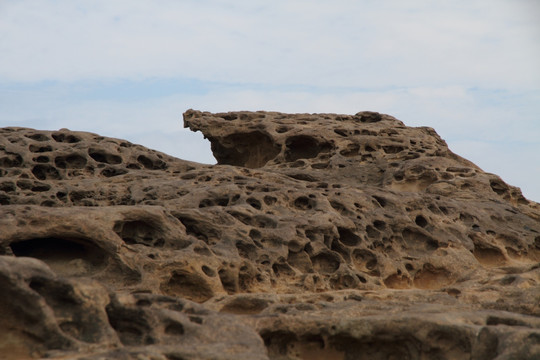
(343, 43)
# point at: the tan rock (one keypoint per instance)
(316, 236)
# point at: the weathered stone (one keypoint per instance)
(316, 236)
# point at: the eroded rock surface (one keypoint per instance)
(316, 236)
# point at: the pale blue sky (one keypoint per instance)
(129, 69)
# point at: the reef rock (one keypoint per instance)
(316, 236)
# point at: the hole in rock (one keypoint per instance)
(110, 171)
(467, 218)
(40, 148)
(432, 278)
(216, 201)
(304, 147)
(421, 221)
(454, 341)
(255, 234)
(235, 198)
(369, 148)
(351, 150)
(254, 203)
(202, 250)
(174, 328)
(186, 284)
(287, 345)
(66, 138)
(372, 232)
(35, 186)
(229, 117)
(282, 269)
(489, 256)
(38, 137)
(397, 281)
(73, 328)
(208, 271)
(304, 203)
(298, 164)
(246, 250)
(282, 129)
(133, 166)
(417, 240)
(300, 260)
(339, 248)
(245, 305)
(56, 293)
(380, 200)
(277, 342)
(79, 195)
(228, 280)
(198, 229)
(41, 159)
(72, 161)
(368, 117)
(40, 187)
(45, 172)
(196, 319)
(399, 176)
(320, 165)
(348, 237)
(498, 186)
(131, 325)
(68, 257)
(379, 224)
(342, 132)
(392, 149)
(152, 163)
(494, 320)
(102, 156)
(344, 281)
(48, 203)
(260, 221)
(143, 302)
(4, 199)
(139, 232)
(364, 260)
(326, 262)
(342, 209)
(303, 177)
(7, 186)
(252, 150)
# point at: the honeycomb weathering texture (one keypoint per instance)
(316, 236)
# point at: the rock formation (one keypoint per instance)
(316, 236)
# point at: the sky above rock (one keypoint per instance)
(129, 69)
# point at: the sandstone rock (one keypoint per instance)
(316, 236)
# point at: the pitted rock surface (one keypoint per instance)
(316, 236)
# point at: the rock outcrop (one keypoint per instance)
(316, 236)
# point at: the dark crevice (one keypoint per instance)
(252, 150)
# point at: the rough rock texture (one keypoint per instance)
(315, 237)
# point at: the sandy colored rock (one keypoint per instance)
(316, 236)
